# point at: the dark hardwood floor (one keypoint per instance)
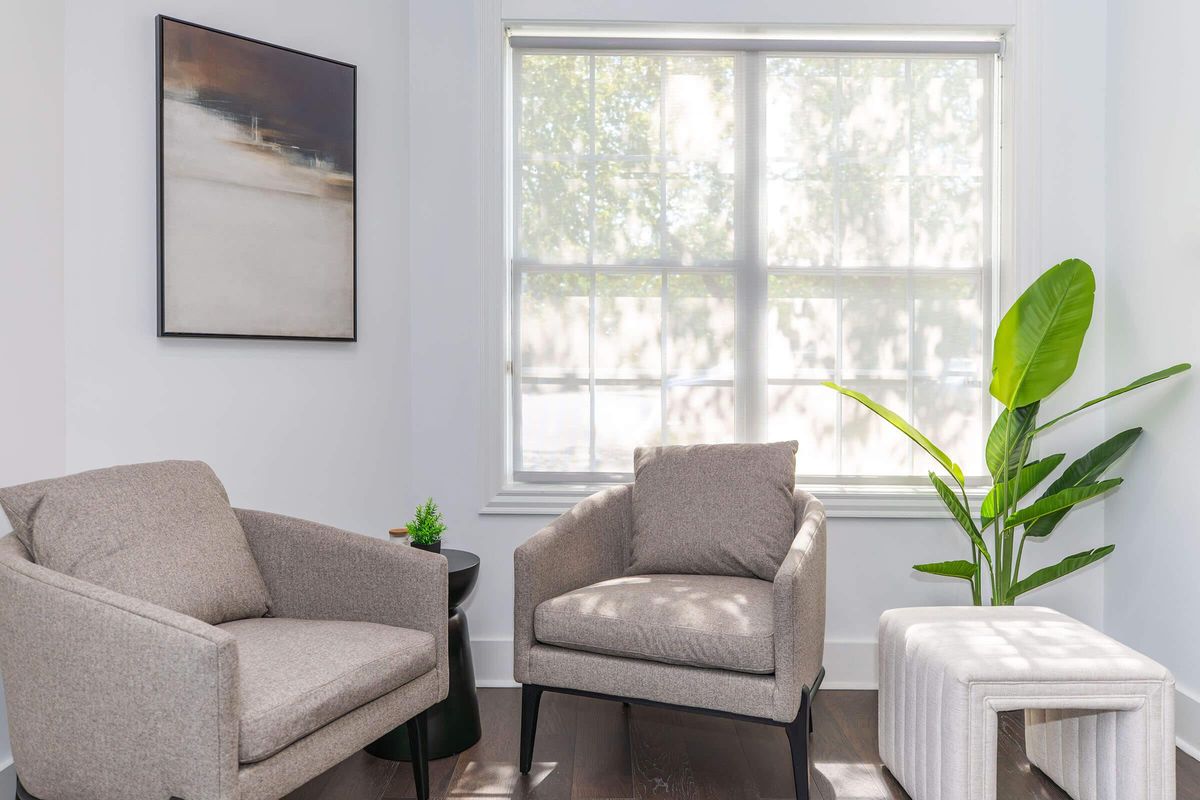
(597, 750)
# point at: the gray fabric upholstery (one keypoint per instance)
(717, 689)
(110, 697)
(799, 607)
(315, 571)
(718, 622)
(591, 544)
(113, 698)
(317, 752)
(297, 675)
(162, 532)
(713, 509)
(587, 544)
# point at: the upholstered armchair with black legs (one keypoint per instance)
(701, 586)
(157, 643)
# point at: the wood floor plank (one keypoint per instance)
(718, 764)
(596, 750)
(661, 766)
(603, 766)
(404, 787)
(489, 769)
(846, 762)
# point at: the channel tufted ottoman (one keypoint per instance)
(1091, 704)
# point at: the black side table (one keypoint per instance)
(454, 722)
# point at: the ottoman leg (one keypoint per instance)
(1103, 755)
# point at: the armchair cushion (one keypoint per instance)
(718, 622)
(162, 532)
(296, 675)
(723, 509)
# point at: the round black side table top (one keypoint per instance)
(454, 722)
(464, 572)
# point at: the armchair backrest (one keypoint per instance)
(163, 532)
(713, 509)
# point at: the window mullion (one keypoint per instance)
(750, 379)
(592, 461)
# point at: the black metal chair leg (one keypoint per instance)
(531, 698)
(798, 732)
(418, 737)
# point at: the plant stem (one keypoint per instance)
(1020, 552)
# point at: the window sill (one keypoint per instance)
(896, 502)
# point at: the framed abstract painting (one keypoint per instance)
(256, 189)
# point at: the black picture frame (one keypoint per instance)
(162, 331)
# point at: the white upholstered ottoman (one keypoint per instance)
(1099, 717)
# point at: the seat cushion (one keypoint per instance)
(712, 621)
(162, 532)
(297, 676)
(723, 509)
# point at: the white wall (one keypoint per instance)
(1062, 193)
(313, 429)
(32, 391)
(1151, 589)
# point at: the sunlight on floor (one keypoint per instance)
(486, 779)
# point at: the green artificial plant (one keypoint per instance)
(427, 525)
(1036, 351)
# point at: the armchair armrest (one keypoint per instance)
(110, 697)
(585, 545)
(315, 571)
(799, 607)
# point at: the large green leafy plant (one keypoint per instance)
(1036, 351)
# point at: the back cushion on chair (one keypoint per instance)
(162, 532)
(713, 509)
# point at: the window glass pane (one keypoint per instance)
(629, 326)
(628, 212)
(948, 329)
(554, 324)
(555, 423)
(701, 152)
(870, 446)
(947, 221)
(947, 116)
(700, 414)
(875, 326)
(949, 411)
(554, 105)
(699, 213)
(700, 325)
(632, 417)
(628, 105)
(808, 414)
(555, 226)
(873, 214)
(800, 217)
(802, 315)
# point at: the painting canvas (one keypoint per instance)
(256, 188)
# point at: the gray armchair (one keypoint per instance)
(112, 697)
(734, 646)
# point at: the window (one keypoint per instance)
(701, 238)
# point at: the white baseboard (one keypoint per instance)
(1187, 721)
(848, 665)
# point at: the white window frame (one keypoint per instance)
(849, 497)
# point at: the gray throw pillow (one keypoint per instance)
(162, 532)
(713, 509)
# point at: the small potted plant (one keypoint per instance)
(425, 529)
